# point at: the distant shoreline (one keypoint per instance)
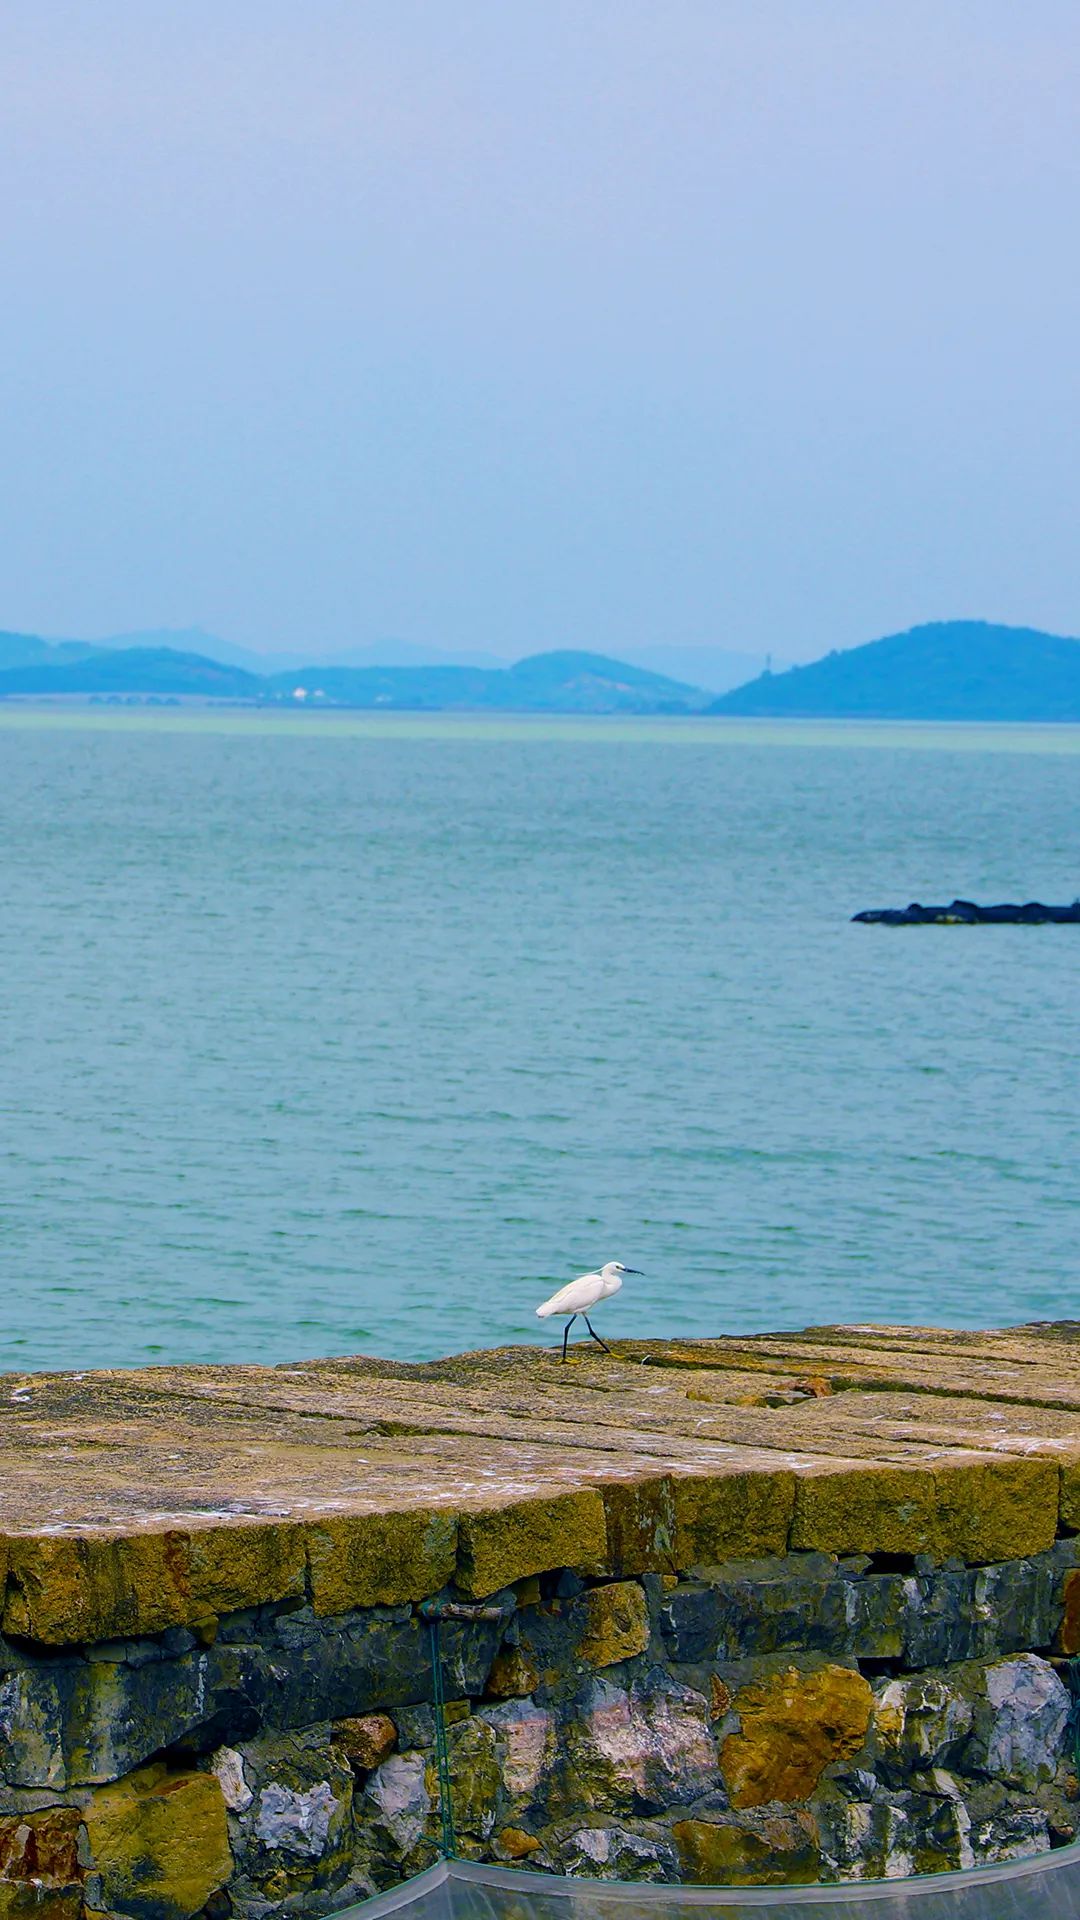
(211, 717)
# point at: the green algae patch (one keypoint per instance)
(498, 1545)
(379, 1559)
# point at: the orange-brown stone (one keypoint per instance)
(616, 1623)
(513, 1675)
(40, 1846)
(367, 1739)
(1068, 1640)
(516, 1844)
(792, 1725)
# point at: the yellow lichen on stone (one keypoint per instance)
(85, 1587)
(640, 1520)
(980, 1510)
(779, 1849)
(865, 1509)
(247, 1564)
(1001, 1509)
(160, 1843)
(379, 1559)
(1070, 1495)
(499, 1545)
(512, 1676)
(616, 1623)
(732, 1516)
(40, 1900)
(96, 1587)
(792, 1726)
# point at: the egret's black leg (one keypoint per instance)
(566, 1333)
(596, 1336)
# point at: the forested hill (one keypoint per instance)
(950, 670)
(559, 682)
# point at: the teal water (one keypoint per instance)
(332, 1035)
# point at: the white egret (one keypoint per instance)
(583, 1293)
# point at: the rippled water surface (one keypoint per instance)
(335, 1035)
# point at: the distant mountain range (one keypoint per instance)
(950, 670)
(564, 682)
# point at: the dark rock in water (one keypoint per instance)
(965, 913)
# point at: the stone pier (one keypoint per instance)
(765, 1610)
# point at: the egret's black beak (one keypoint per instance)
(636, 1270)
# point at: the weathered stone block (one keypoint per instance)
(64, 1588)
(1014, 1834)
(293, 1834)
(922, 1722)
(366, 1663)
(792, 1726)
(982, 1511)
(396, 1803)
(499, 1545)
(513, 1843)
(41, 1900)
(1000, 1509)
(119, 1715)
(1068, 1636)
(640, 1524)
(693, 1622)
(954, 1613)
(525, 1744)
(647, 1748)
(615, 1853)
(35, 1707)
(247, 1563)
(159, 1842)
(475, 1777)
(367, 1739)
(1020, 1722)
(1070, 1496)
(768, 1847)
(92, 1587)
(378, 1559)
(512, 1675)
(732, 1516)
(865, 1840)
(228, 1765)
(799, 1603)
(616, 1623)
(41, 1846)
(295, 1822)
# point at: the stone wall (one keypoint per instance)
(792, 1718)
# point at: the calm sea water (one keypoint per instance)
(362, 1034)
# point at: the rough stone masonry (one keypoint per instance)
(768, 1610)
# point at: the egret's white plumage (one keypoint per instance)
(583, 1293)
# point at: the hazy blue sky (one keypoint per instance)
(515, 323)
